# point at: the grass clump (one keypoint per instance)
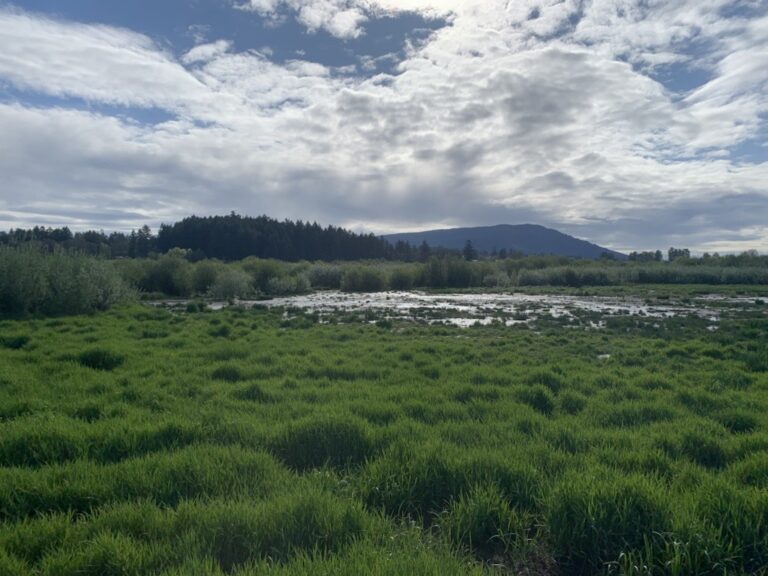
(325, 441)
(14, 342)
(704, 450)
(737, 421)
(483, 521)
(228, 373)
(539, 398)
(422, 482)
(101, 359)
(235, 533)
(592, 521)
(253, 393)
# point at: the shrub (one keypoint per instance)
(362, 279)
(33, 281)
(402, 278)
(286, 285)
(169, 274)
(204, 275)
(325, 276)
(232, 283)
(497, 280)
(262, 271)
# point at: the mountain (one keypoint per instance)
(525, 238)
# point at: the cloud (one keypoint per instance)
(206, 52)
(519, 111)
(345, 19)
(340, 18)
(98, 63)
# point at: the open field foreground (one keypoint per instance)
(259, 441)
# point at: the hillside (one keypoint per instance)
(525, 238)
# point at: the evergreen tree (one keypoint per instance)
(469, 251)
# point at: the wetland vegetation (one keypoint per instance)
(286, 440)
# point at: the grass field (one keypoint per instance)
(146, 441)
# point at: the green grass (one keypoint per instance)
(143, 441)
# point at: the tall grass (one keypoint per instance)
(144, 441)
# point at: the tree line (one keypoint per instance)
(228, 238)
(234, 237)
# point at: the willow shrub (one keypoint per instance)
(33, 281)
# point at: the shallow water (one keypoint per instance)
(469, 309)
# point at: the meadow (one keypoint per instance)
(247, 441)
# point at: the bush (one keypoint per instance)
(262, 271)
(402, 278)
(362, 279)
(204, 276)
(33, 281)
(232, 283)
(170, 275)
(287, 285)
(497, 280)
(325, 277)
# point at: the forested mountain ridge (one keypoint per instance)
(235, 237)
(529, 239)
(231, 237)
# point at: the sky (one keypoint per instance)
(636, 124)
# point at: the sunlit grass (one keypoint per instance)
(143, 441)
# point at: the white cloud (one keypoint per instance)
(531, 110)
(206, 52)
(98, 63)
(341, 18)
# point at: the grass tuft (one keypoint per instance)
(101, 359)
